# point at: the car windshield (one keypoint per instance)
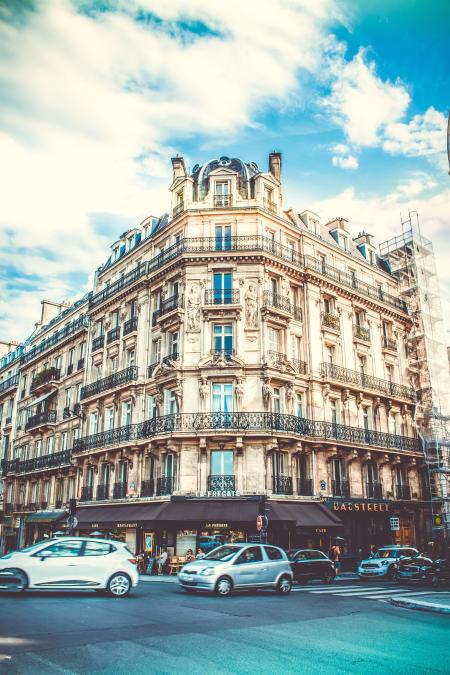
(222, 553)
(386, 553)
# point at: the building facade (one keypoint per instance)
(231, 352)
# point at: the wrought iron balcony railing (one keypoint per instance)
(390, 343)
(222, 201)
(178, 208)
(8, 421)
(44, 377)
(305, 487)
(277, 301)
(9, 508)
(110, 382)
(282, 485)
(170, 304)
(402, 492)
(168, 360)
(301, 366)
(361, 333)
(249, 422)
(222, 296)
(69, 369)
(41, 419)
(374, 490)
(98, 343)
(113, 335)
(12, 381)
(43, 505)
(148, 488)
(87, 493)
(120, 490)
(164, 485)
(276, 359)
(330, 321)
(102, 492)
(58, 503)
(270, 205)
(130, 326)
(359, 379)
(340, 488)
(221, 483)
(80, 363)
(17, 466)
(151, 368)
(71, 329)
(225, 354)
(125, 281)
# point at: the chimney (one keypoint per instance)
(179, 170)
(275, 165)
(364, 238)
(337, 223)
(50, 310)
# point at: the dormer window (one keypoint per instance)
(222, 195)
(115, 253)
(268, 200)
(179, 203)
(130, 242)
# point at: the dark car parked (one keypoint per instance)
(308, 564)
(422, 568)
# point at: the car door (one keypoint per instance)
(96, 563)
(57, 564)
(250, 567)
(301, 566)
(319, 564)
(273, 568)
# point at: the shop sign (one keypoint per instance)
(320, 530)
(218, 493)
(218, 526)
(361, 506)
(120, 526)
(394, 523)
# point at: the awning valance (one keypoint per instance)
(45, 516)
(307, 515)
(112, 516)
(41, 398)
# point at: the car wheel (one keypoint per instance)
(224, 586)
(329, 577)
(284, 586)
(20, 583)
(119, 585)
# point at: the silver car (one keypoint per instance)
(238, 566)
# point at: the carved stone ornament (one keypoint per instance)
(251, 306)
(203, 388)
(193, 308)
(239, 390)
(290, 398)
(345, 395)
(267, 391)
(178, 391)
(326, 391)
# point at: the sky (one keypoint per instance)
(96, 96)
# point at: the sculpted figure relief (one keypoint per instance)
(239, 390)
(267, 392)
(290, 398)
(251, 307)
(193, 308)
(203, 388)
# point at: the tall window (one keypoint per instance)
(328, 305)
(170, 402)
(64, 440)
(126, 413)
(50, 445)
(131, 357)
(169, 465)
(299, 406)
(38, 448)
(152, 408)
(331, 354)
(222, 195)
(276, 400)
(222, 397)
(174, 343)
(278, 464)
(222, 463)
(156, 349)
(123, 473)
(362, 362)
(115, 319)
(372, 473)
(68, 399)
(334, 409)
(109, 418)
(223, 338)
(223, 237)
(93, 423)
(106, 474)
(274, 339)
(90, 476)
(82, 350)
(71, 356)
(338, 470)
(223, 285)
(296, 348)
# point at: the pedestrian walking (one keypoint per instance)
(162, 562)
(335, 556)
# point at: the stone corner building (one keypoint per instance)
(229, 350)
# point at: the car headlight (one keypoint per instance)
(385, 562)
(207, 572)
(424, 568)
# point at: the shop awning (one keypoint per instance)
(41, 398)
(130, 515)
(45, 516)
(210, 510)
(304, 515)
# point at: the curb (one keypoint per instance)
(420, 605)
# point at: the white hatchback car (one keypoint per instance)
(71, 563)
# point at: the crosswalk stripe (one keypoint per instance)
(339, 591)
(399, 593)
(323, 587)
(370, 593)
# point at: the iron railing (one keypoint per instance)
(151, 368)
(69, 369)
(305, 487)
(374, 490)
(148, 488)
(125, 281)
(390, 343)
(167, 360)
(43, 505)
(113, 335)
(178, 208)
(44, 377)
(222, 201)
(16, 466)
(130, 326)
(164, 485)
(297, 312)
(359, 379)
(221, 483)
(9, 508)
(301, 366)
(277, 359)
(361, 333)
(270, 205)
(71, 328)
(170, 304)
(225, 354)
(110, 382)
(402, 492)
(282, 485)
(278, 301)
(47, 417)
(330, 321)
(340, 488)
(120, 490)
(98, 343)
(10, 382)
(87, 493)
(80, 363)
(102, 491)
(249, 422)
(58, 503)
(222, 296)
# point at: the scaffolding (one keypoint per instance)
(411, 259)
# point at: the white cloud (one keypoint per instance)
(423, 136)
(343, 158)
(92, 106)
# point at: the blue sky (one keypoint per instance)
(98, 95)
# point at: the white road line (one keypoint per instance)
(323, 587)
(385, 592)
(403, 595)
(338, 591)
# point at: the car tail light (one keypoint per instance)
(132, 560)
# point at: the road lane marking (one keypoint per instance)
(339, 591)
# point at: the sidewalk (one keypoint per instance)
(434, 602)
(165, 578)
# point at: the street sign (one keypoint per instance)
(323, 485)
(72, 522)
(395, 523)
(259, 523)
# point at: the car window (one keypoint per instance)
(385, 553)
(273, 553)
(316, 555)
(223, 553)
(63, 549)
(98, 548)
(250, 555)
(301, 555)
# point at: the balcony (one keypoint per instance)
(151, 368)
(374, 491)
(301, 366)
(33, 506)
(16, 466)
(269, 205)
(390, 344)
(361, 333)
(113, 335)
(114, 288)
(164, 486)
(222, 296)
(148, 488)
(69, 369)
(222, 354)
(111, 382)
(155, 317)
(276, 359)
(43, 505)
(44, 378)
(359, 379)
(12, 381)
(8, 421)
(305, 487)
(277, 301)
(340, 488)
(102, 492)
(330, 321)
(9, 508)
(18, 507)
(120, 490)
(87, 493)
(171, 304)
(98, 343)
(177, 209)
(42, 419)
(282, 485)
(58, 503)
(66, 413)
(222, 201)
(71, 329)
(402, 492)
(129, 432)
(130, 326)
(221, 484)
(80, 363)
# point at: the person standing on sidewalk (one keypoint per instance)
(335, 556)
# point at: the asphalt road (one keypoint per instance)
(161, 629)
